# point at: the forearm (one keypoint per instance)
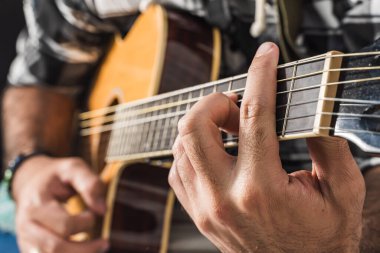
(36, 118)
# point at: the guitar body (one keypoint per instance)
(165, 50)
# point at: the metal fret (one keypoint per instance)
(175, 122)
(157, 130)
(188, 105)
(238, 85)
(152, 130)
(127, 143)
(114, 145)
(166, 126)
(144, 135)
(214, 87)
(201, 92)
(289, 101)
(230, 85)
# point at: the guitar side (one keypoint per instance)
(165, 50)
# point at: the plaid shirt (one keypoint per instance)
(65, 39)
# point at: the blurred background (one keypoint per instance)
(11, 23)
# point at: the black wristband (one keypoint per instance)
(15, 164)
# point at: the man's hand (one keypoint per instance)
(249, 203)
(40, 187)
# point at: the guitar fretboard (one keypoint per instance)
(148, 128)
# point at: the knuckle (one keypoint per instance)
(357, 187)
(172, 178)
(177, 149)
(221, 213)
(69, 164)
(253, 110)
(204, 223)
(187, 125)
(249, 200)
(92, 185)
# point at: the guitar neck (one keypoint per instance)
(306, 95)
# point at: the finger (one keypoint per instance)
(333, 161)
(76, 172)
(232, 126)
(233, 96)
(55, 218)
(175, 179)
(182, 164)
(36, 237)
(200, 135)
(179, 190)
(258, 144)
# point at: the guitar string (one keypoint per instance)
(233, 141)
(316, 73)
(327, 56)
(105, 128)
(355, 101)
(106, 110)
(352, 115)
(311, 59)
(155, 107)
(164, 141)
(125, 124)
(279, 133)
(111, 118)
(336, 130)
(331, 114)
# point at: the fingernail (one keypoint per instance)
(264, 49)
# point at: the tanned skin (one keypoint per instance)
(37, 118)
(41, 119)
(370, 242)
(248, 203)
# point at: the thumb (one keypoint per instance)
(75, 172)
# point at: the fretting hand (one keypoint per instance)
(249, 203)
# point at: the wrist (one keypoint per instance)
(19, 173)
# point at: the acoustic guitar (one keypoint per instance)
(145, 86)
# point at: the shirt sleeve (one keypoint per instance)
(64, 42)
